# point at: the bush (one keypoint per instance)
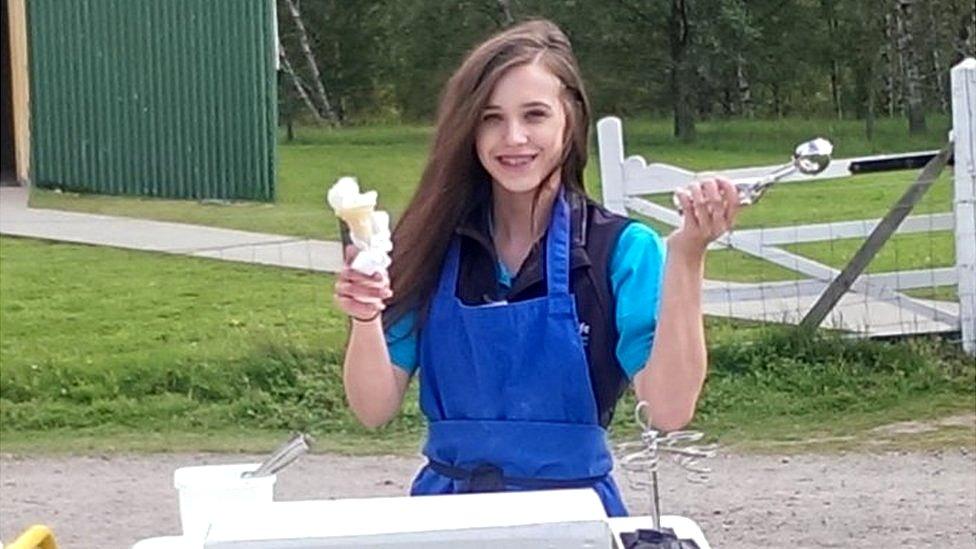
(768, 373)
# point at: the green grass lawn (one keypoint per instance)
(101, 340)
(107, 349)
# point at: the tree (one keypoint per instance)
(687, 59)
(725, 39)
(833, 40)
(867, 59)
(300, 90)
(906, 24)
(681, 72)
(324, 106)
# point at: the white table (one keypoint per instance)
(569, 518)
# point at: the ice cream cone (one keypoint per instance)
(360, 222)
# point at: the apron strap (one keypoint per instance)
(557, 248)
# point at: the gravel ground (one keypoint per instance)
(843, 500)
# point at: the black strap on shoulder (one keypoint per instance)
(597, 306)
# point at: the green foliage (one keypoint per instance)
(351, 44)
(388, 60)
(428, 43)
(798, 373)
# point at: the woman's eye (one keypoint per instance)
(536, 115)
(491, 117)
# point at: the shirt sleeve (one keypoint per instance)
(401, 340)
(636, 276)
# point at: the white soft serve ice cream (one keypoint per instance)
(368, 229)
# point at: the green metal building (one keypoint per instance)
(171, 98)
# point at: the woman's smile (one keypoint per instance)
(516, 162)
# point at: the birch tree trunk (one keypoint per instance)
(831, 15)
(937, 36)
(745, 91)
(891, 63)
(313, 66)
(870, 65)
(964, 42)
(835, 88)
(913, 80)
(777, 99)
(869, 117)
(297, 82)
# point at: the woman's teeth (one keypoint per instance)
(515, 161)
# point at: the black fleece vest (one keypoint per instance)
(595, 232)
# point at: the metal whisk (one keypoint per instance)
(641, 457)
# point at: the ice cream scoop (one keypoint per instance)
(809, 158)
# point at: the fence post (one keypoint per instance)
(610, 139)
(964, 203)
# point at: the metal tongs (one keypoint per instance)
(282, 457)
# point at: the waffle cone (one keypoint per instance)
(360, 222)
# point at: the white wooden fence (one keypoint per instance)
(875, 304)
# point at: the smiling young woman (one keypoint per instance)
(527, 308)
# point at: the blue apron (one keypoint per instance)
(506, 390)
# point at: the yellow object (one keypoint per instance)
(35, 537)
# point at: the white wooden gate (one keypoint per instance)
(875, 304)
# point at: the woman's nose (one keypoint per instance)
(516, 134)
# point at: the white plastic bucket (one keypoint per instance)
(211, 490)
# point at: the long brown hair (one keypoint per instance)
(454, 182)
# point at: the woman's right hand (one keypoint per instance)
(360, 296)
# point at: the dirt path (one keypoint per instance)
(884, 500)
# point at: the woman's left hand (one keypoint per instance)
(710, 207)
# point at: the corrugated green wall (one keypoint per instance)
(170, 98)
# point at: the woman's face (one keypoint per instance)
(520, 135)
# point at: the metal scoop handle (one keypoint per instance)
(750, 193)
